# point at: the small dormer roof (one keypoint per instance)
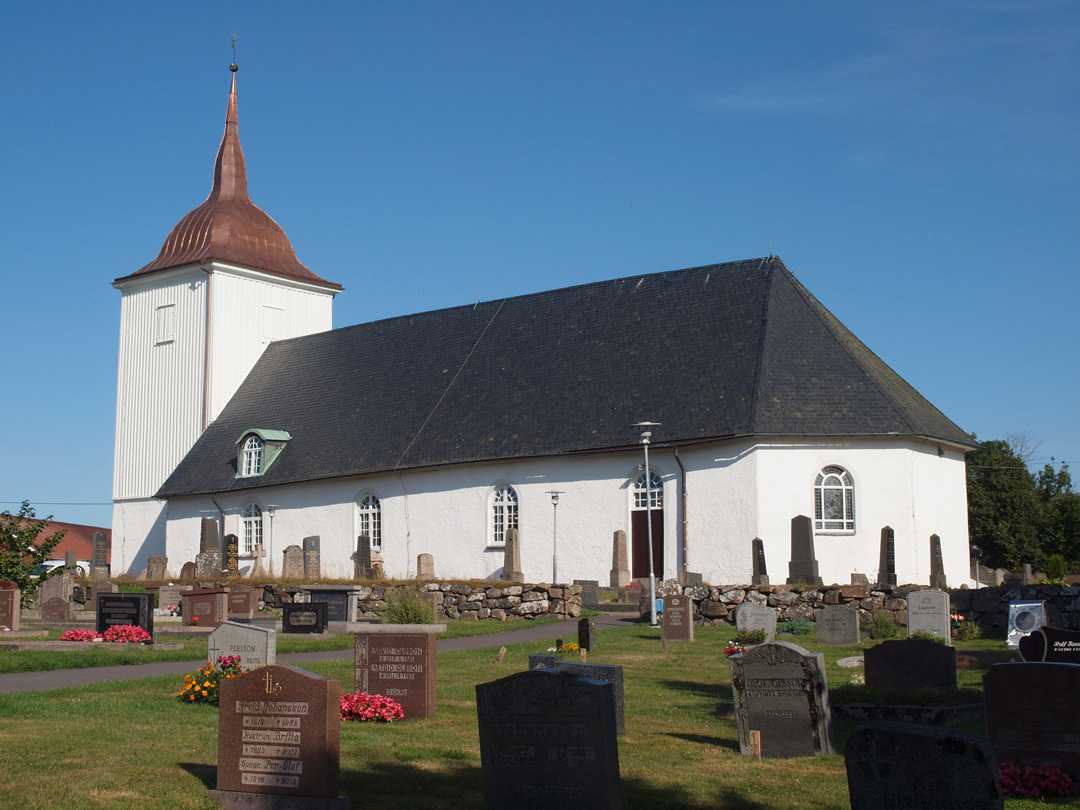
(266, 434)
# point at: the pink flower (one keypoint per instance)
(126, 634)
(79, 635)
(1034, 781)
(366, 708)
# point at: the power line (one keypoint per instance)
(59, 503)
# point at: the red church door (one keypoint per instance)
(640, 533)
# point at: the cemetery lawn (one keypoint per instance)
(120, 745)
(195, 647)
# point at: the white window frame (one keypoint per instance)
(834, 478)
(251, 524)
(656, 493)
(164, 324)
(251, 458)
(369, 520)
(504, 514)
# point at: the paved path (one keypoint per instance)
(67, 678)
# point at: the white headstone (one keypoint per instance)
(750, 617)
(928, 612)
(256, 646)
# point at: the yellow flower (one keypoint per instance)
(206, 683)
(191, 697)
(204, 693)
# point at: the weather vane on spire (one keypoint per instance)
(235, 66)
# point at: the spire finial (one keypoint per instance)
(230, 175)
(235, 66)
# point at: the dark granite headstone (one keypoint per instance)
(209, 536)
(937, 565)
(205, 608)
(761, 570)
(99, 565)
(1031, 715)
(1054, 644)
(913, 663)
(362, 558)
(678, 624)
(10, 607)
(312, 559)
(804, 565)
(337, 602)
(399, 662)
(187, 571)
(55, 611)
(590, 592)
(232, 555)
(279, 733)
(156, 567)
(608, 673)
(837, 624)
(1024, 618)
(903, 767)
(887, 558)
(781, 694)
(548, 740)
(100, 587)
(585, 634)
(125, 608)
(303, 617)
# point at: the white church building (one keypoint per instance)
(436, 432)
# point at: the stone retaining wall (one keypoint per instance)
(456, 600)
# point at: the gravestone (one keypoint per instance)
(1027, 578)
(913, 663)
(860, 579)
(59, 586)
(209, 537)
(340, 601)
(156, 566)
(887, 558)
(585, 634)
(693, 579)
(205, 608)
(1054, 644)
(169, 596)
(590, 592)
(242, 604)
(293, 563)
(900, 767)
(781, 701)
(124, 608)
(425, 567)
(678, 619)
(232, 555)
(362, 568)
(928, 612)
(99, 564)
(70, 562)
(937, 565)
(10, 607)
(804, 565)
(761, 571)
(100, 587)
(1031, 715)
(1024, 618)
(398, 661)
(620, 566)
(606, 673)
(208, 565)
(303, 617)
(256, 646)
(279, 733)
(548, 740)
(312, 559)
(837, 624)
(750, 617)
(512, 556)
(55, 611)
(187, 571)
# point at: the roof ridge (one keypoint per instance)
(755, 392)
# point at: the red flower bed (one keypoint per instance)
(375, 708)
(79, 635)
(1034, 781)
(127, 634)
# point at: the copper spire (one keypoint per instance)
(228, 226)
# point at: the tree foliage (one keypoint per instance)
(21, 550)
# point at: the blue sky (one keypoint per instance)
(915, 165)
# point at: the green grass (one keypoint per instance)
(130, 744)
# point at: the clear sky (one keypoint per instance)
(914, 164)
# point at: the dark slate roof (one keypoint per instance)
(733, 349)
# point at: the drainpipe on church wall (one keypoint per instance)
(682, 499)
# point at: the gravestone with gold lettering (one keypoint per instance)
(678, 622)
(398, 661)
(279, 736)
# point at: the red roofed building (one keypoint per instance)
(78, 539)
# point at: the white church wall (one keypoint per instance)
(940, 484)
(138, 531)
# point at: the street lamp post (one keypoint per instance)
(554, 535)
(646, 437)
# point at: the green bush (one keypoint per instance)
(922, 635)
(883, 625)
(407, 607)
(1056, 569)
(747, 637)
(967, 631)
(795, 627)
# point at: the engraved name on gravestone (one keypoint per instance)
(928, 612)
(1024, 618)
(678, 618)
(398, 661)
(10, 608)
(548, 740)
(837, 624)
(781, 694)
(279, 733)
(312, 560)
(125, 608)
(1055, 644)
(750, 617)
(99, 564)
(205, 608)
(256, 646)
(913, 663)
(607, 673)
(293, 562)
(1031, 715)
(900, 767)
(761, 571)
(232, 555)
(303, 617)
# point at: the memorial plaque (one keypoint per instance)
(55, 611)
(187, 571)
(125, 608)
(913, 663)
(205, 608)
(398, 661)
(1024, 618)
(837, 624)
(208, 565)
(279, 732)
(10, 607)
(99, 564)
(303, 617)
(242, 603)
(232, 555)
(256, 646)
(607, 673)
(1054, 644)
(548, 740)
(293, 563)
(156, 567)
(590, 592)
(678, 618)
(1031, 715)
(750, 617)
(901, 767)
(781, 693)
(928, 612)
(312, 562)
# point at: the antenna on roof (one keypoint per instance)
(235, 66)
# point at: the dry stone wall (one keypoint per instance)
(462, 600)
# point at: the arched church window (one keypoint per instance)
(369, 520)
(655, 492)
(504, 514)
(253, 456)
(252, 520)
(834, 500)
